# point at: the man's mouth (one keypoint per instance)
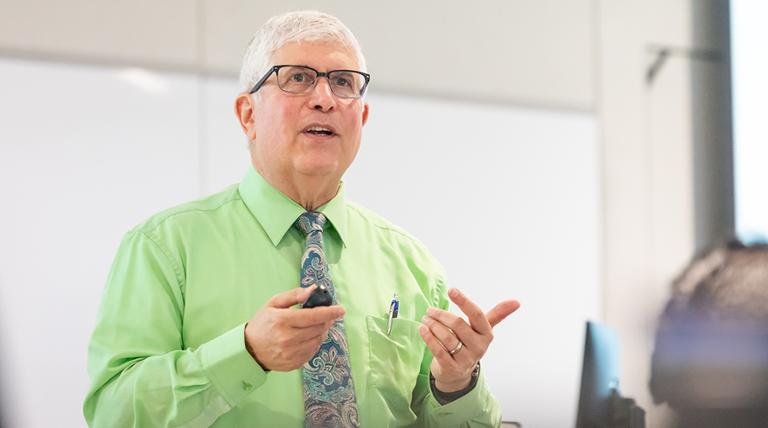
(320, 130)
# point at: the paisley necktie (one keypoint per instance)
(329, 395)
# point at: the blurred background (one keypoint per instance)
(602, 143)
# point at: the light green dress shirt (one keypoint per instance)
(168, 348)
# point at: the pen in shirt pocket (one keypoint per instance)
(394, 305)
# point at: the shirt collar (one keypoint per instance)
(276, 212)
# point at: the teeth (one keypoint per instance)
(318, 129)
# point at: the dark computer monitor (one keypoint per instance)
(599, 377)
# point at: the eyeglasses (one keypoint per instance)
(299, 79)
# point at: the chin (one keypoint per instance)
(318, 167)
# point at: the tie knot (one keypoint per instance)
(310, 221)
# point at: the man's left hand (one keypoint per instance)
(457, 345)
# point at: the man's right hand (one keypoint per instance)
(283, 338)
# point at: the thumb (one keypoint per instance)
(501, 311)
(292, 297)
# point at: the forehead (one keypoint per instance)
(320, 55)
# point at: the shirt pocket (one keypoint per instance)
(395, 361)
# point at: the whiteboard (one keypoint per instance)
(523, 187)
(86, 153)
(119, 145)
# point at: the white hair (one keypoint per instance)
(301, 26)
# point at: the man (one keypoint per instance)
(710, 361)
(199, 323)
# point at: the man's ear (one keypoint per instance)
(365, 113)
(244, 113)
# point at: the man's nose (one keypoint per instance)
(322, 97)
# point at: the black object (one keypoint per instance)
(600, 404)
(625, 413)
(320, 297)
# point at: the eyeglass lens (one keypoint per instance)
(297, 79)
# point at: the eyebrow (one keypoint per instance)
(313, 68)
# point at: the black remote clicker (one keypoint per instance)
(320, 297)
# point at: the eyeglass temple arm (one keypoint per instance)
(263, 79)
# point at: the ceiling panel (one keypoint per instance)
(536, 52)
(161, 33)
(525, 51)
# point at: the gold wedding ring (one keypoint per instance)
(457, 348)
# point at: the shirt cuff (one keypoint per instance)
(230, 367)
(477, 404)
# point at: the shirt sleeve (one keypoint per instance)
(477, 408)
(141, 372)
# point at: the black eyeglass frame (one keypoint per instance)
(276, 68)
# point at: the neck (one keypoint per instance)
(309, 191)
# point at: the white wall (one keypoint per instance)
(87, 152)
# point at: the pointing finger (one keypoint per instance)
(474, 314)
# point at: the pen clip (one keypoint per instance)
(394, 307)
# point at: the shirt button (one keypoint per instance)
(247, 386)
